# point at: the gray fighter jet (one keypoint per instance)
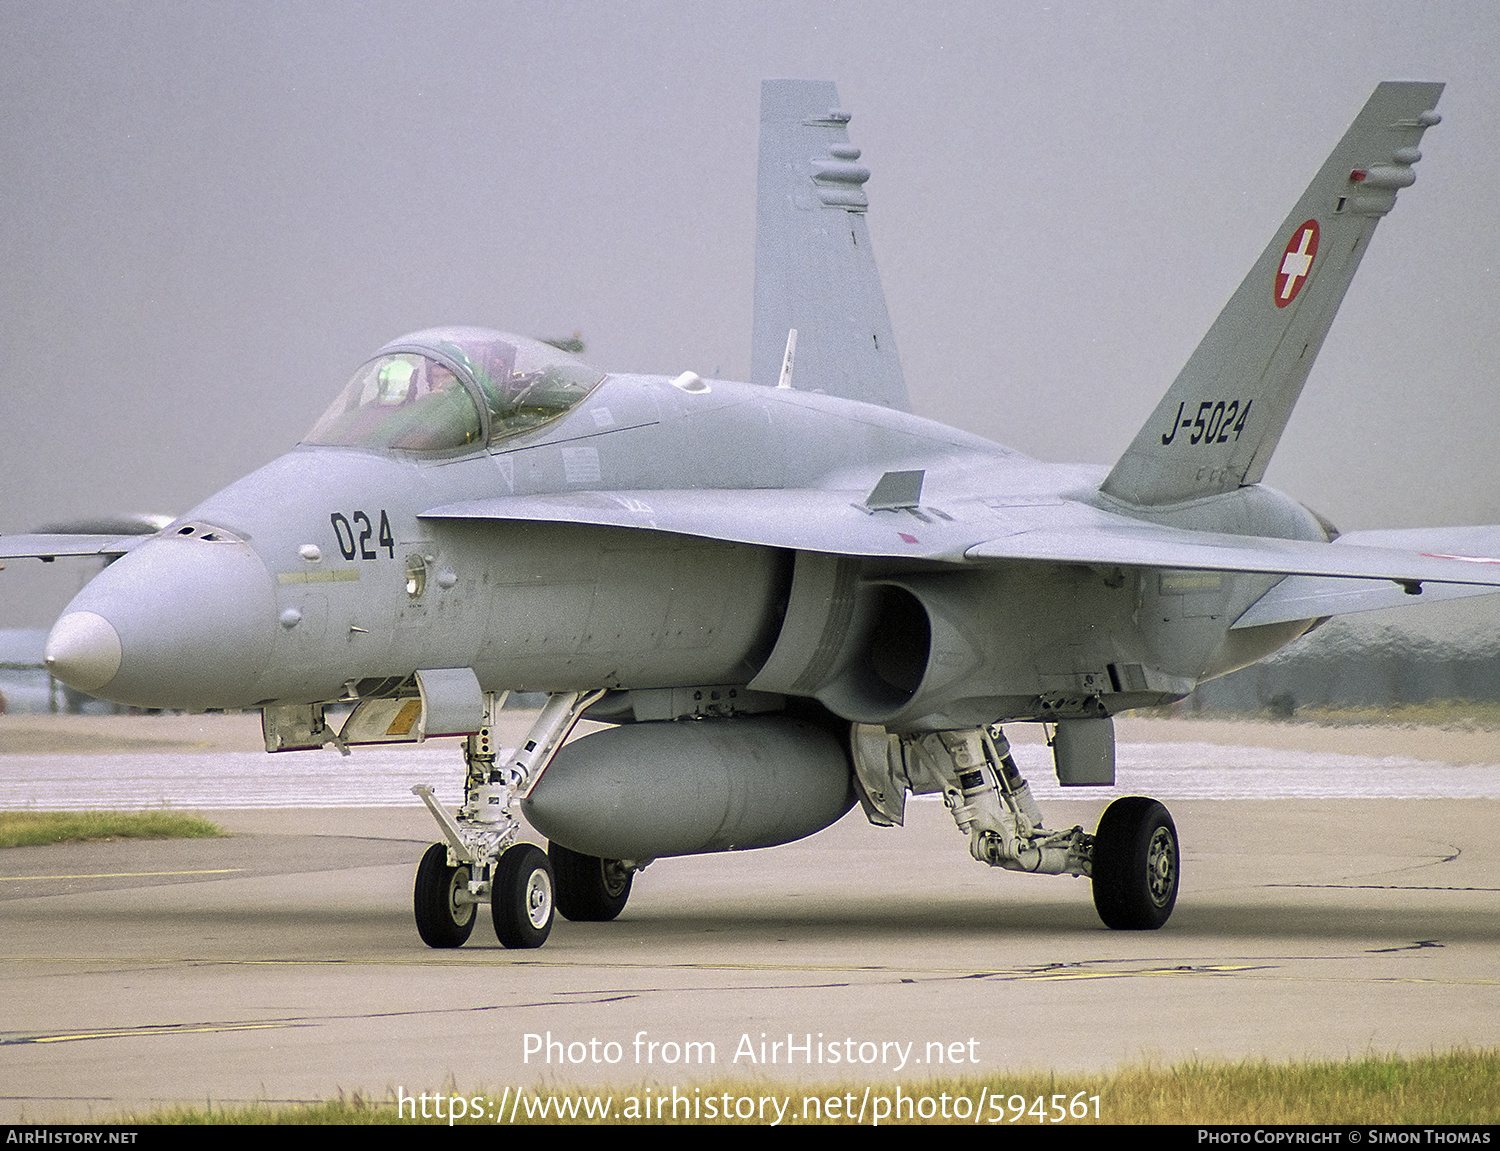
(786, 596)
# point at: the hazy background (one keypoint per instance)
(213, 212)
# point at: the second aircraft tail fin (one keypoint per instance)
(814, 270)
(1217, 426)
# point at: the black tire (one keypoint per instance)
(522, 899)
(589, 889)
(1136, 865)
(441, 920)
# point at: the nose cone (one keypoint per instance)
(177, 623)
(83, 650)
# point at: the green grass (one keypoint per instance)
(35, 828)
(1460, 1087)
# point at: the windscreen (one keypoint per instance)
(404, 401)
(419, 394)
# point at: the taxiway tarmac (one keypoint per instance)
(282, 963)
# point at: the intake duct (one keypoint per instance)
(869, 649)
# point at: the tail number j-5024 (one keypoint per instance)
(355, 537)
(1215, 422)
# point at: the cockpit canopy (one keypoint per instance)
(444, 388)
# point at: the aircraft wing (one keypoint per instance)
(835, 523)
(815, 520)
(48, 547)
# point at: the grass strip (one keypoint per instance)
(36, 828)
(1458, 1087)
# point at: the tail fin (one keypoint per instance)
(814, 270)
(1219, 423)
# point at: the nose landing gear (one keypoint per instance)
(481, 862)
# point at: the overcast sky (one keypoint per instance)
(213, 212)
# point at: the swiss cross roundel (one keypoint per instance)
(1296, 263)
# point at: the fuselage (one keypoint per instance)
(318, 576)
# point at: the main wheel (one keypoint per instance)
(589, 889)
(1136, 865)
(521, 898)
(442, 921)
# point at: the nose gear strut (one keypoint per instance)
(482, 862)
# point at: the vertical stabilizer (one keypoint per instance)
(814, 270)
(1219, 423)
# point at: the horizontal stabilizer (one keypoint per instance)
(1132, 543)
(1312, 597)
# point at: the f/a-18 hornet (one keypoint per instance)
(785, 597)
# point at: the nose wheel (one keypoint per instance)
(1136, 865)
(522, 897)
(444, 908)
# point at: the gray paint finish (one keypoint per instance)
(817, 541)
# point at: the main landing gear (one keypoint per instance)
(1132, 858)
(481, 862)
(589, 889)
(1135, 864)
